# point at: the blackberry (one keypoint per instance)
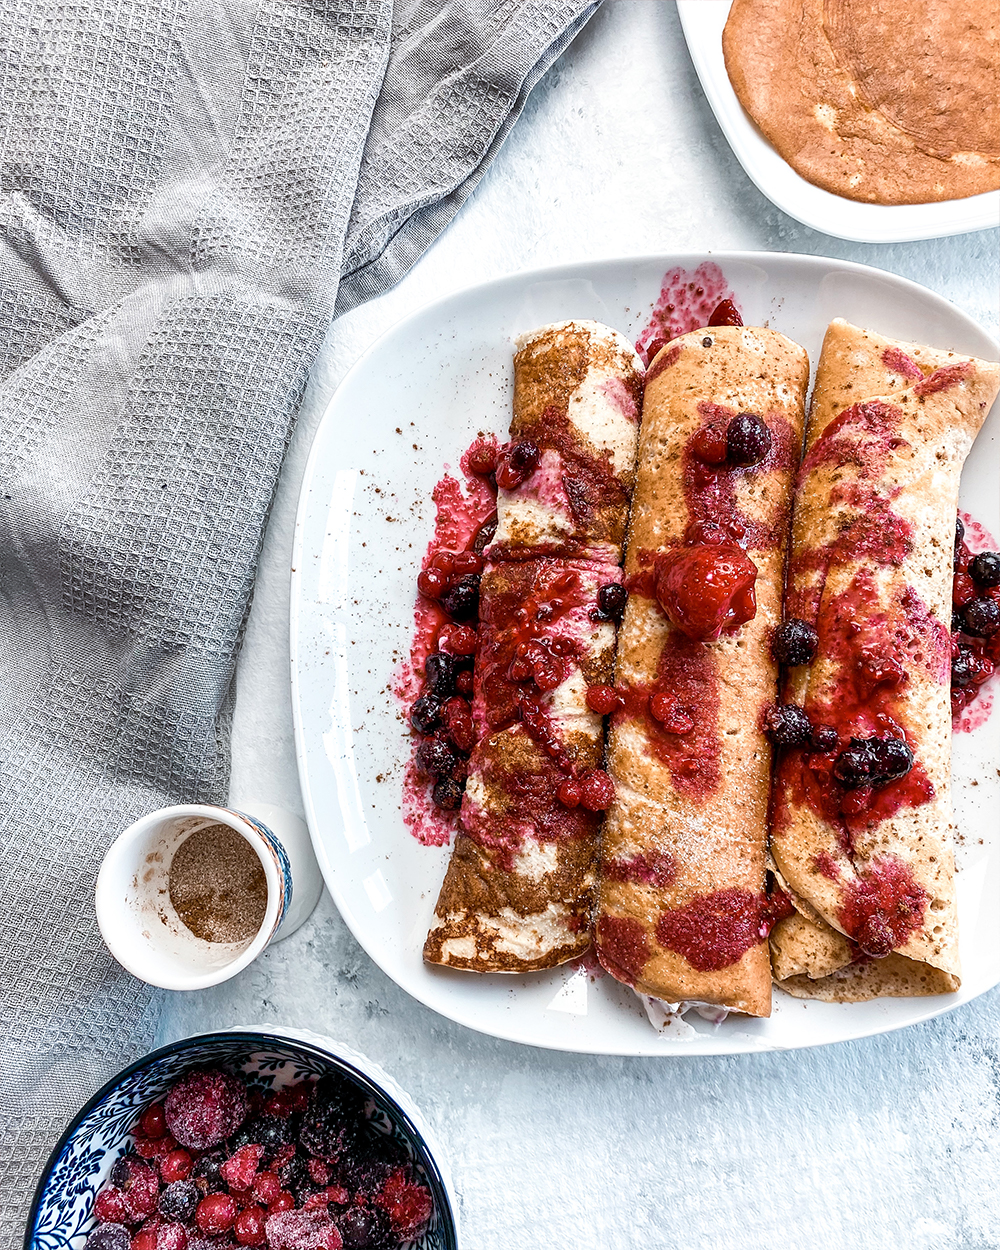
(981, 617)
(109, 1237)
(985, 568)
(461, 602)
(748, 440)
(795, 643)
(872, 762)
(366, 1228)
(787, 725)
(425, 715)
(957, 624)
(120, 1172)
(179, 1200)
(294, 1174)
(435, 758)
(270, 1131)
(824, 738)
(439, 669)
(961, 668)
(447, 794)
(374, 1159)
(330, 1122)
(611, 601)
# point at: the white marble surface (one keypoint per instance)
(882, 1143)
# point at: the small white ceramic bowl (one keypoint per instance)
(139, 922)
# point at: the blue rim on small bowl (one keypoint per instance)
(60, 1215)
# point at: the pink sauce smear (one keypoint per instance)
(461, 508)
(687, 300)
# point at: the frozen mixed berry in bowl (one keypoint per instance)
(277, 1139)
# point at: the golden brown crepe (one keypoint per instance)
(885, 101)
(519, 888)
(862, 831)
(682, 913)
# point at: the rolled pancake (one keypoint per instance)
(871, 569)
(577, 395)
(682, 913)
(518, 892)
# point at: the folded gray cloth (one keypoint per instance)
(183, 187)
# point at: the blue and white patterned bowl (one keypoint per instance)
(269, 1057)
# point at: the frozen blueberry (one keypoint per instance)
(179, 1200)
(959, 532)
(439, 669)
(985, 568)
(787, 725)
(425, 715)
(435, 758)
(366, 1228)
(961, 668)
(795, 643)
(981, 617)
(611, 601)
(109, 1237)
(461, 602)
(748, 440)
(447, 794)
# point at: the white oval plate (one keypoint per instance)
(407, 409)
(702, 22)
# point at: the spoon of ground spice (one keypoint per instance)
(217, 885)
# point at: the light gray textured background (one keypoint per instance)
(887, 1143)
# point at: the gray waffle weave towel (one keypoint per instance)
(182, 187)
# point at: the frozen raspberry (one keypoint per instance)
(216, 1213)
(366, 1228)
(302, 1230)
(175, 1165)
(249, 1227)
(110, 1206)
(109, 1237)
(152, 1122)
(204, 1108)
(239, 1171)
(179, 1200)
(330, 1123)
(408, 1205)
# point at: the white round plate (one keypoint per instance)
(702, 22)
(407, 409)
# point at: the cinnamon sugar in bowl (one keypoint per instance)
(189, 895)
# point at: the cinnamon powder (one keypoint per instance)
(217, 885)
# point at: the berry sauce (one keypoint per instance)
(882, 906)
(653, 868)
(686, 302)
(897, 361)
(463, 510)
(974, 659)
(713, 931)
(622, 947)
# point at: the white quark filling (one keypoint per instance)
(669, 1017)
(528, 514)
(536, 860)
(601, 421)
(528, 936)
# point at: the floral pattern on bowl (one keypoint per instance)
(61, 1214)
